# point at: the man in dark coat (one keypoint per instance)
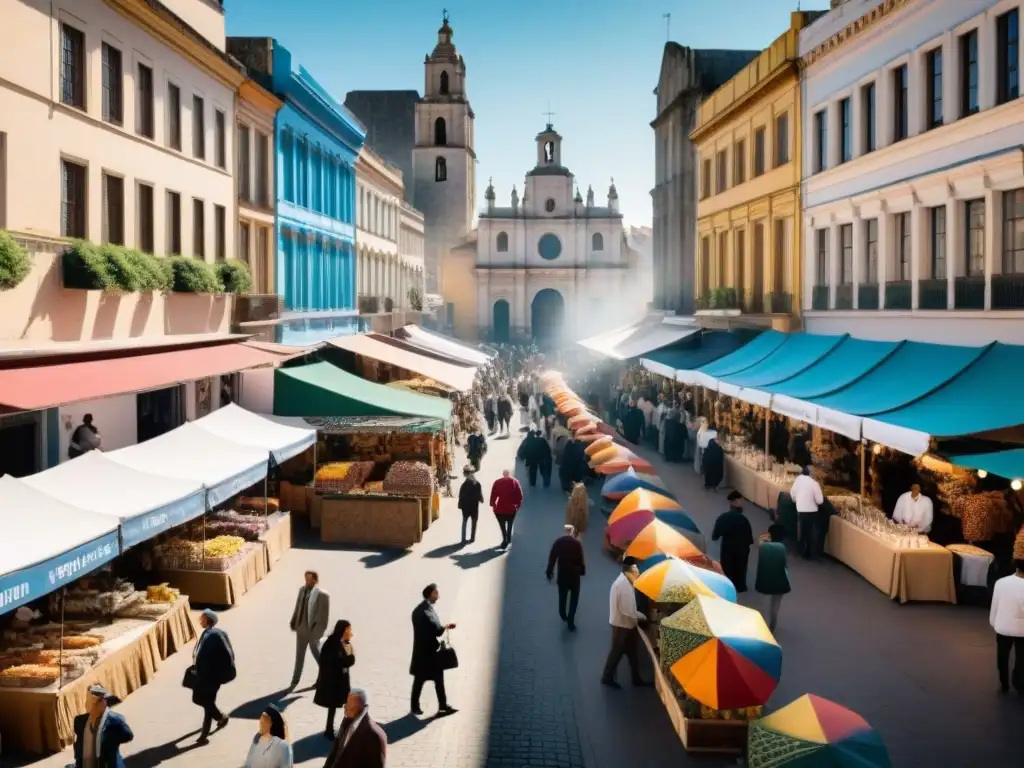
(734, 530)
(713, 465)
(530, 452)
(574, 464)
(361, 743)
(471, 496)
(100, 732)
(213, 665)
(426, 632)
(544, 460)
(633, 424)
(567, 555)
(476, 447)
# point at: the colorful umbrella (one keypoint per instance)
(703, 561)
(616, 465)
(722, 654)
(642, 499)
(599, 444)
(624, 531)
(813, 732)
(608, 453)
(589, 437)
(618, 486)
(582, 420)
(658, 538)
(677, 581)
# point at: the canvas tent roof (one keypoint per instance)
(443, 345)
(369, 345)
(282, 437)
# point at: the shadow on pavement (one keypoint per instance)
(386, 557)
(445, 550)
(476, 559)
(311, 747)
(404, 727)
(251, 710)
(149, 758)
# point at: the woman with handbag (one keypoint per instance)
(332, 681)
(213, 665)
(270, 747)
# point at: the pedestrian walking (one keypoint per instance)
(427, 630)
(491, 413)
(506, 499)
(625, 620)
(309, 622)
(270, 747)
(505, 412)
(361, 743)
(332, 681)
(530, 453)
(476, 447)
(772, 577)
(100, 732)
(213, 665)
(567, 556)
(544, 460)
(1007, 619)
(807, 497)
(471, 496)
(577, 511)
(733, 528)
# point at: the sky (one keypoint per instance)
(593, 63)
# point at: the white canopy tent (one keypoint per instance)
(224, 467)
(281, 436)
(444, 345)
(144, 504)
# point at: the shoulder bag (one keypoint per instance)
(446, 656)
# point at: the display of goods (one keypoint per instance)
(149, 611)
(983, 515)
(364, 444)
(93, 602)
(223, 546)
(80, 642)
(407, 443)
(162, 593)
(377, 486)
(413, 478)
(343, 476)
(29, 676)
(269, 505)
(221, 527)
(336, 470)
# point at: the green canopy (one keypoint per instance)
(323, 390)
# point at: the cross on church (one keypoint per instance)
(444, 15)
(549, 114)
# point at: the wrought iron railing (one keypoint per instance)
(932, 294)
(1007, 291)
(844, 296)
(867, 296)
(819, 297)
(969, 293)
(898, 295)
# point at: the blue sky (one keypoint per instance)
(595, 61)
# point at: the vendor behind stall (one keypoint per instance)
(914, 509)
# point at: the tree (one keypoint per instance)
(415, 298)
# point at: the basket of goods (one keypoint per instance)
(342, 476)
(179, 554)
(240, 527)
(83, 600)
(268, 506)
(29, 675)
(411, 444)
(983, 515)
(219, 553)
(162, 593)
(156, 601)
(409, 478)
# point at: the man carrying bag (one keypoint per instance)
(431, 656)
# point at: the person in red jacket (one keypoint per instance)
(506, 499)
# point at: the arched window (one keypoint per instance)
(440, 170)
(440, 132)
(444, 83)
(597, 242)
(502, 242)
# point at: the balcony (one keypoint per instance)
(780, 303)
(1007, 292)
(721, 298)
(898, 295)
(844, 296)
(931, 294)
(258, 308)
(369, 305)
(867, 296)
(819, 297)
(756, 304)
(969, 293)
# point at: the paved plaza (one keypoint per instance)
(527, 690)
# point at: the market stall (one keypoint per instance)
(433, 342)
(374, 350)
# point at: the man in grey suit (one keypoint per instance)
(309, 622)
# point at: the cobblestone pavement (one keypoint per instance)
(527, 690)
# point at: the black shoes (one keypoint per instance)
(446, 710)
(416, 710)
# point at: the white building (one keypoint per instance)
(913, 182)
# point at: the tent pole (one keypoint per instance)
(863, 463)
(767, 436)
(266, 515)
(60, 653)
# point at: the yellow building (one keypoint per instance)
(748, 140)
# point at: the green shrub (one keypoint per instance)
(152, 273)
(194, 276)
(14, 262)
(87, 268)
(415, 298)
(235, 276)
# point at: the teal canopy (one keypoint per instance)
(746, 356)
(799, 352)
(843, 365)
(705, 349)
(1008, 463)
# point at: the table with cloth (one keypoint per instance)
(221, 588)
(39, 720)
(754, 486)
(277, 538)
(924, 574)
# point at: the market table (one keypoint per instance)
(39, 720)
(752, 485)
(277, 538)
(924, 574)
(220, 587)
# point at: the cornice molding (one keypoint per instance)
(854, 29)
(258, 97)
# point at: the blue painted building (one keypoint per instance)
(317, 142)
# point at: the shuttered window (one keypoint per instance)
(144, 206)
(113, 85)
(72, 217)
(220, 232)
(173, 116)
(198, 228)
(113, 209)
(144, 102)
(198, 128)
(173, 223)
(72, 67)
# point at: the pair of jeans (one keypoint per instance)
(417, 689)
(568, 593)
(1004, 644)
(624, 643)
(469, 518)
(505, 522)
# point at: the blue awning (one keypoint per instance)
(842, 366)
(796, 355)
(696, 351)
(743, 358)
(1008, 463)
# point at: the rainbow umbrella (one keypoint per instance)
(618, 486)
(642, 500)
(813, 732)
(722, 654)
(677, 581)
(658, 538)
(640, 508)
(608, 453)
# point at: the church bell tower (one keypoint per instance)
(444, 160)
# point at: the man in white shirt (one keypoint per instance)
(624, 618)
(807, 497)
(914, 510)
(1007, 619)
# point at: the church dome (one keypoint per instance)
(445, 49)
(489, 194)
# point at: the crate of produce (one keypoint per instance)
(409, 478)
(342, 476)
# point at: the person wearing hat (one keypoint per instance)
(213, 665)
(733, 528)
(567, 554)
(270, 747)
(100, 732)
(471, 496)
(624, 618)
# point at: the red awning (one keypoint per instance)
(46, 386)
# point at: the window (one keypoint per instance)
(1008, 49)
(900, 104)
(288, 164)
(113, 85)
(113, 209)
(502, 242)
(705, 266)
(739, 264)
(220, 149)
(821, 136)
(173, 223)
(549, 205)
(779, 261)
(173, 116)
(440, 132)
(757, 292)
(263, 259)
(721, 168)
(262, 179)
(220, 232)
(722, 255)
(739, 162)
(871, 251)
(444, 83)
(782, 139)
(868, 95)
(597, 242)
(198, 228)
(902, 222)
(301, 168)
(198, 128)
(933, 61)
(144, 210)
(144, 107)
(72, 67)
(440, 170)
(759, 151)
(974, 213)
(243, 241)
(242, 153)
(938, 244)
(821, 258)
(73, 180)
(845, 131)
(969, 73)
(705, 178)
(1013, 232)
(846, 254)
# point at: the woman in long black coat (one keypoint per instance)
(713, 465)
(332, 681)
(213, 665)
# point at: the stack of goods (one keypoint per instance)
(409, 478)
(229, 524)
(259, 504)
(375, 488)
(95, 598)
(368, 447)
(217, 554)
(34, 659)
(342, 476)
(983, 515)
(410, 444)
(1018, 545)
(155, 602)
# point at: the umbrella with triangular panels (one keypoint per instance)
(678, 581)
